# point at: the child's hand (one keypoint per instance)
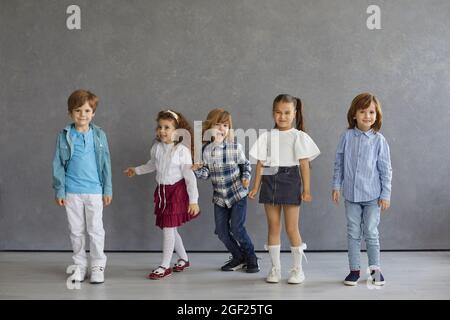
(60, 201)
(130, 172)
(107, 200)
(193, 209)
(197, 166)
(384, 204)
(252, 193)
(335, 195)
(306, 196)
(245, 183)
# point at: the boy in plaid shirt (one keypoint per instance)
(225, 163)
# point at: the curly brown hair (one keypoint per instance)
(180, 122)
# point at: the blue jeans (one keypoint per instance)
(363, 219)
(231, 231)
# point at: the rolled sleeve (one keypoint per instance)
(202, 173)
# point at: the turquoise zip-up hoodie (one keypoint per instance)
(64, 152)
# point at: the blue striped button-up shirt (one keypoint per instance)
(226, 165)
(363, 166)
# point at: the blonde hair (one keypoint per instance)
(215, 116)
(363, 101)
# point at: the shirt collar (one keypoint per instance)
(167, 146)
(368, 134)
(72, 125)
(221, 145)
(74, 132)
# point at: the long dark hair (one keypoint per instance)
(298, 105)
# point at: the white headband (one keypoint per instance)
(173, 114)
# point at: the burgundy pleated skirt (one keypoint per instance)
(171, 205)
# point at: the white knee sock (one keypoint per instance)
(179, 248)
(297, 254)
(168, 246)
(274, 252)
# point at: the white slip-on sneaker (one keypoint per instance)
(97, 274)
(296, 276)
(274, 275)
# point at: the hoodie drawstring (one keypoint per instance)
(162, 173)
(164, 191)
(164, 196)
(159, 196)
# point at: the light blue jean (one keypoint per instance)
(363, 219)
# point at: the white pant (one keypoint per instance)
(86, 210)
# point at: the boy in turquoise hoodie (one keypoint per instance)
(82, 183)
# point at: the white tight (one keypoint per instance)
(171, 241)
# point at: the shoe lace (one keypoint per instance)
(274, 272)
(295, 271)
(230, 258)
(97, 269)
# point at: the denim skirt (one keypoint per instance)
(282, 186)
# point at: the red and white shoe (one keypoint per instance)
(181, 265)
(160, 273)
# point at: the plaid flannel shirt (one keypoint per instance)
(226, 165)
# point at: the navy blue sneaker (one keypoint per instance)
(233, 264)
(251, 264)
(352, 278)
(377, 278)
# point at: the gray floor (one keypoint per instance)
(409, 275)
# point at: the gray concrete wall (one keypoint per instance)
(140, 56)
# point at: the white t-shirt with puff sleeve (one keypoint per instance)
(277, 148)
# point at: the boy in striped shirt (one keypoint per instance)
(363, 171)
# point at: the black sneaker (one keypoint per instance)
(251, 264)
(352, 278)
(233, 264)
(377, 278)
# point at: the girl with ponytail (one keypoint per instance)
(282, 169)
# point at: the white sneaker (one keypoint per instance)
(296, 276)
(79, 274)
(97, 274)
(274, 275)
